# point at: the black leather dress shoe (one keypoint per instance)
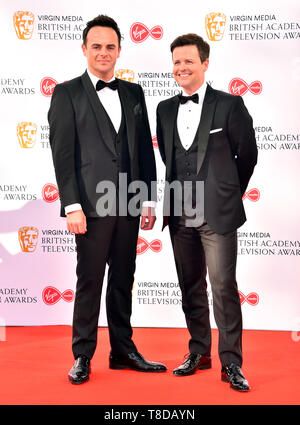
(234, 375)
(80, 371)
(193, 362)
(134, 361)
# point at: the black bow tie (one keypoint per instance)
(184, 99)
(101, 84)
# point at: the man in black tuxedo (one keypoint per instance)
(206, 137)
(99, 130)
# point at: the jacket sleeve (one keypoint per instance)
(147, 164)
(62, 141)
(159, 135)
(243, 142)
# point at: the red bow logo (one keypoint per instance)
(52, 295)
(252, 194)
(239, 87)
(47, 86)
(50, 192)
(139, 32)
(252, 298)
(143, 245)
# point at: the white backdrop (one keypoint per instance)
(256, 54)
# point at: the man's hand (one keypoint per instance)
(76, 222)
(148, 218)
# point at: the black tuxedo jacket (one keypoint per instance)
(79, 134)
(225, 158)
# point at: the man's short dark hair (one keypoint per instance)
(192, 40)
(101, 21)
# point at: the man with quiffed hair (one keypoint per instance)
(207, 142)
(99, 130)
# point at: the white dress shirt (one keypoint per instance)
(112, 104)
(110, 101)
(188, 117)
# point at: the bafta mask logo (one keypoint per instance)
(26, 132)
(215, 25)
(28, 238)
(125, 74)
(23, 23)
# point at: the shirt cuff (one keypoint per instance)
(151, 204)
(72, 208)
(77, 207)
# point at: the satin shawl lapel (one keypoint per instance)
(208, 110)
(129, 105)
(169, 122)
(99, 111)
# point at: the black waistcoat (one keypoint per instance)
(119, 162)
(119, 144)
(184, 169)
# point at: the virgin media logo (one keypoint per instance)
(50, 192)
(239, 87)
(143, 245)
(47, 86)
(253, 195)
(251, 299)
(51, 295)
(139, 32)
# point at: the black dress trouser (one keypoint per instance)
(108, 240)
(197, 249)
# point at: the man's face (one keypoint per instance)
(188, 69)
(102, 51)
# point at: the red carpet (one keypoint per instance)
(35, 362)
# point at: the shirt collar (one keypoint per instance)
(201, 92)
(95, 79)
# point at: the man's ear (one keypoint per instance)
(205, 63)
